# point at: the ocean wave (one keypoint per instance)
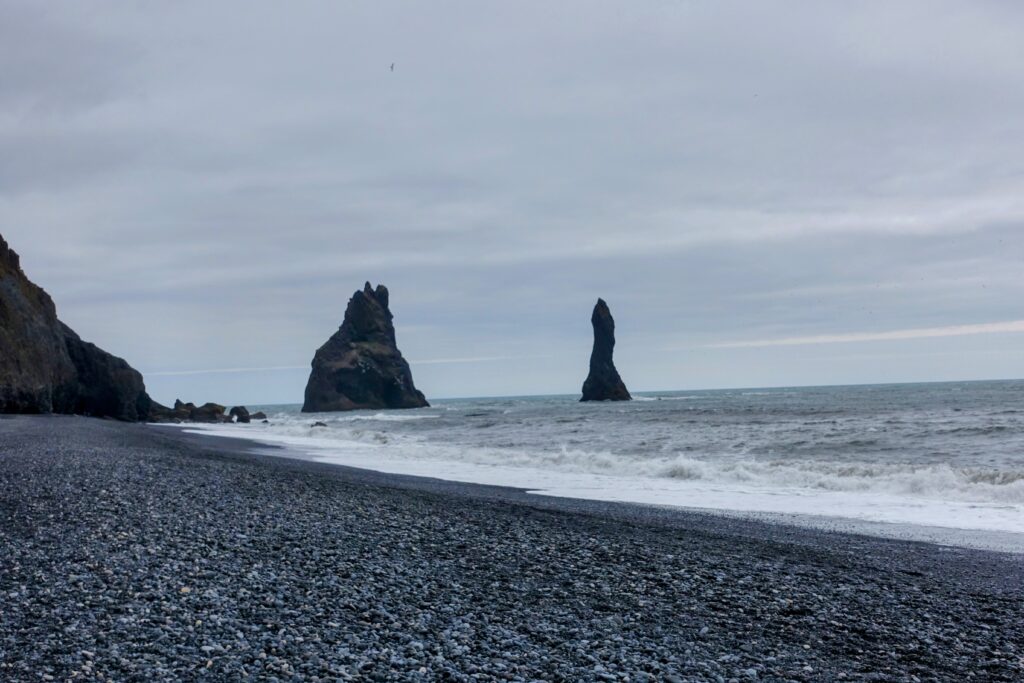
(972, 484)
(961, 483)
(360, 417)
(643, 399)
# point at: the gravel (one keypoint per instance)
(135, 553)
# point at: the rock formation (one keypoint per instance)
(209, 412)
(36, 373)
(181, 412)
(46, 368)
(240, 414)
(106, 385)
(360, 366)
(603, 383)
(189, 412)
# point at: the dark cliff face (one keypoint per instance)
(36, 373)
(46, 368)
(360, 366)
(603, 383)
(106, 385)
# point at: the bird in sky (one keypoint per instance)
(392, 66)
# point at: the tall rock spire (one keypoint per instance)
(603, 383)
(360, 366)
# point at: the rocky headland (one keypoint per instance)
(46, 368)
(360, 366)
(603, 383)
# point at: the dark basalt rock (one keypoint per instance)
(603, 383)
(209, 412)
(106, 385)
(360, 366)
(46, 368)
(189, 412)
(179, 413)
(258, 416)
(240, 414)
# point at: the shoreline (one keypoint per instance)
(140, 554)
(978, 539)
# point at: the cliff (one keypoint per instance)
(46, 368)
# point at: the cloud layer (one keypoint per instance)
(202, 186)
(1009, 326)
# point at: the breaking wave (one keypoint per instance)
(968, 484)
(930, 481)
(939, 455)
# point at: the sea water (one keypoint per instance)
(943, 455)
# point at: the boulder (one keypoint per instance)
(209, 412)
(240, 414)
(189, 412)
(260, 415)
(46, 368)
(179, 413)
(360, 366)
(603, 383)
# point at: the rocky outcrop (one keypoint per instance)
(240, 414)
(46, 368)
(105, 385)
(209, 412)
(603, 383)
(190, 412)
(181, 412)
(360, 366)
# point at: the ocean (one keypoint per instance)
(942, 455)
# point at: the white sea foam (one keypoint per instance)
(934, 495)
(644, 399)
(938, 481)
(329, 418)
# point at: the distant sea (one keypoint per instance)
(945, 454)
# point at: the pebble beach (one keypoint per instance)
(132, 553)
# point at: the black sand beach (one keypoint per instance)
(133, 553)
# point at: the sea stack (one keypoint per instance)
(360, 366)
(46, 368)
(603, 383)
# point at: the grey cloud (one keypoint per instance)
(53, 67)
(718, 171)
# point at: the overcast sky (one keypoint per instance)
(765, 193)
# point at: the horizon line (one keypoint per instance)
(976, 380)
